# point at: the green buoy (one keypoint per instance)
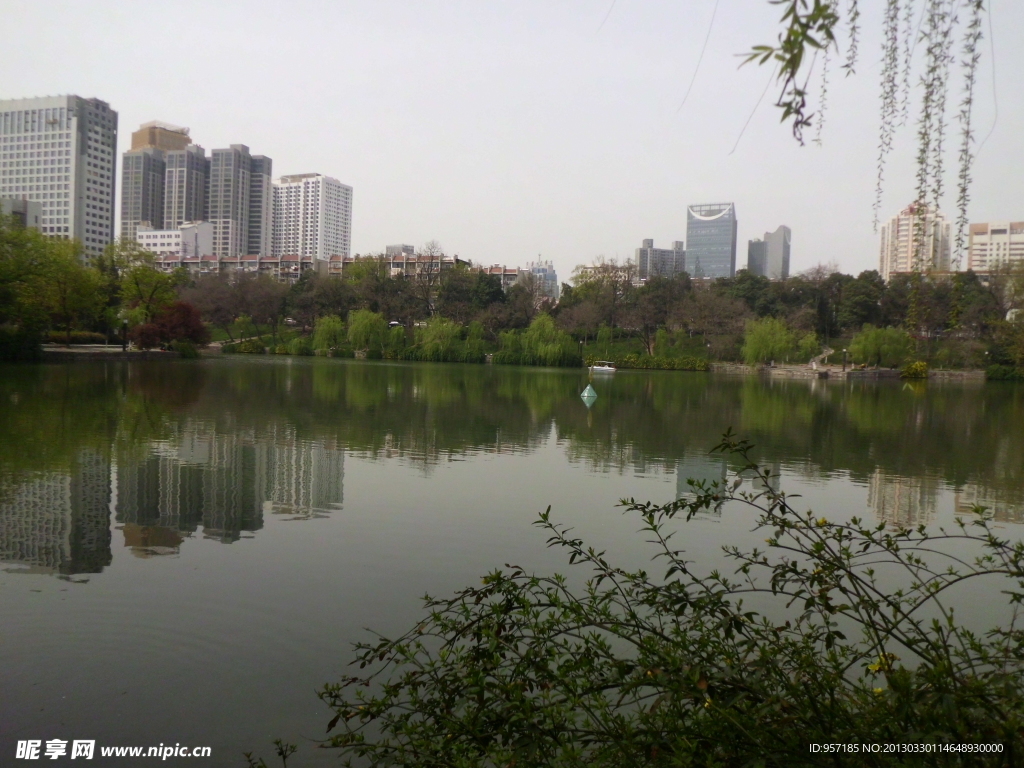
(588, 395)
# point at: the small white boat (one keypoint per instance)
(603, 366)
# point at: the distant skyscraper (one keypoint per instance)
(711, 240)
(400, 250)
(142, 175)
(915, 240)
(261, 206)
(312, 216)
(660, 262)
(770, 257)
(60, 151)
(185, 182)
(547, 278)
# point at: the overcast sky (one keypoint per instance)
(508, 130)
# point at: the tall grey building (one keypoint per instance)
(143, 170)
(142, 190)
(240, 202)
(61, 152)
(660, 262)
(185, 183)
(711, 240)
(261, 206)
(770, 257)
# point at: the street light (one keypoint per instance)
(844, 360)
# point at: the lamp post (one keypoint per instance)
(844, 360)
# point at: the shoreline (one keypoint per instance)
(95, 353)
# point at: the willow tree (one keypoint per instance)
(924, 40)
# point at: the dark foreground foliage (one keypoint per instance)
(854, 642)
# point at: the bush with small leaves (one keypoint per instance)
(836, 632)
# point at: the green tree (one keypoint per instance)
(146, 290)
(768, 339)
(24, 259)
(73, 290)
(366, 330)
(881, 346)
(438, 339)
(861, 302)
(328, 333)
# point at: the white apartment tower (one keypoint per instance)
(915, 240)
(61, 152)
(995, 245)
(312, 216)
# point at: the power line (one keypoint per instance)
(610, 9)
(995, 93)
(751, 117)
(701, 57)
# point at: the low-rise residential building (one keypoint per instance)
(287, 269)
(194, 238)
(26, 213)
(508, 276)
(995, 245)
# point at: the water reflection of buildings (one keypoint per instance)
(1000, 505)
(902, 500)
(225, 483)
(700, 467)
(60, 522)
(713, 467)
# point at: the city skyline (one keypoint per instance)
(498, 159)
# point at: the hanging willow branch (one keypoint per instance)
(969, 63)
(811, 26)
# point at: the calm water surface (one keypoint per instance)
(188, 549)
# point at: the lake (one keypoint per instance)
(188, 549)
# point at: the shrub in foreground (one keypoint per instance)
(853, 640)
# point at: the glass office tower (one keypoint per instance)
(711, 240)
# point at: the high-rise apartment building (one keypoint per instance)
(142, 190)
(185, 181)
(312, 216)
(660, 262)
(914, 240)
(770, 257)
(227, 200)
(261, 206)
(61, 152)
(994, 245)
(143, 170)
(711, 240)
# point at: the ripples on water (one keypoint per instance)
(221, 530)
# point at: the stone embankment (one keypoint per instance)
(835, 372)
(98, 352)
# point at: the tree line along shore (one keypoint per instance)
(913, 322)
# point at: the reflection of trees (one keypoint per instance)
(216, 446)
